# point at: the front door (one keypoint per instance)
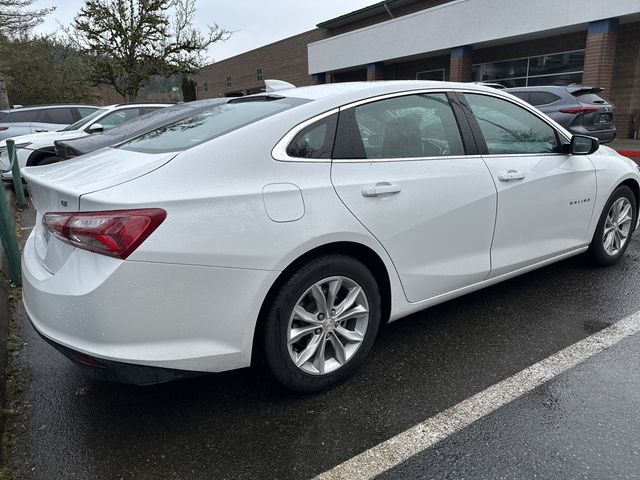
(545, 197)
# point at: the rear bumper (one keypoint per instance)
(604, 136)
(168, 316)
(110, 371)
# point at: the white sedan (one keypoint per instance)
(289, 225)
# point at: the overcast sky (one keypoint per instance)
(256, 22)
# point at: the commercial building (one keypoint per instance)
(513, 42)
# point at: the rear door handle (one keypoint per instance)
(40, 130)
(381, 188)
(511, 175)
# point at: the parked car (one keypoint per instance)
(577, 108)
(74, 147)
(38, 148)
(270, 226)
(41, 118)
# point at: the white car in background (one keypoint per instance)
(291, 224)
(37, 149)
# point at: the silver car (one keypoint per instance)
(41, 118)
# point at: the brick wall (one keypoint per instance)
(599, 60)
(625, 91)
(284, 60)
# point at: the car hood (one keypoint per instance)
(43, 139)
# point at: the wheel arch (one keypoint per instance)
(635, 188)
(39, 154)
(360, 252)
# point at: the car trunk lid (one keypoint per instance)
(59, 188)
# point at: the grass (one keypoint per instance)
(13, 384)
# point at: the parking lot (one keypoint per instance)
(240, 424)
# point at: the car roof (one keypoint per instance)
(53, 105)
(354, 91)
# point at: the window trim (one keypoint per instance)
(466, 132)
(279, 152)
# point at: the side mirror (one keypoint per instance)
(583, 145)
(95, 128)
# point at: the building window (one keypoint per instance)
(229, 81)
(205, 86)
(431, 75)
(553, 69)
(259, 74)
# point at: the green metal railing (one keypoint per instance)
(7, 231)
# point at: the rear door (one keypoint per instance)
(545, 196)
(404, 167)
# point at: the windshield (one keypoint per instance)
(199, 128)
(83, 121)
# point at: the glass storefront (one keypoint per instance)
(554, 69)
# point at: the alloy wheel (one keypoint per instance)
(617, 226)
(327, 326)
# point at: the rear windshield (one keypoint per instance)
(588, 97)
(204, 126)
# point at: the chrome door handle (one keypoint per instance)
(381, 188)
(511, 175)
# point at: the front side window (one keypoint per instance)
(510, 129)
(114, 119)
(411, 126)
(206, 125)
(83, 121)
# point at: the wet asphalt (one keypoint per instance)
(241, 425)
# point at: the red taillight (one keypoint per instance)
(68, 157)
(2, 129)
(115, 233)
(579, 110)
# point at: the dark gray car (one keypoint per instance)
(66, 149)
(577, 108)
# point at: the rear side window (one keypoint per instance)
(542, 98)
(316, 140)
(204, 126)
(411, 126)
(21, 116)
(510, 129)
(61, 116)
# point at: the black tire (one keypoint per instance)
(45, 161)
(280, 311)
(597, 253)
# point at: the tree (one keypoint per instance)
(45, 69)
(132, 40)
(16, 17)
